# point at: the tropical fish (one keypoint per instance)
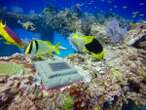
(141, 4)
(87, 44)
(27, 25)
(124, 7)
(40, 49)
(11, 38)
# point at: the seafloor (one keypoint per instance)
(115, 81)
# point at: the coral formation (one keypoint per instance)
(119, 76)
(64, 21)
(116, 81)
(115, 32)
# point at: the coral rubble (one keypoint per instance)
(115, 81)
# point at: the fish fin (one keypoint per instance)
(84, 50)
(7, 43)
(41, 57)
(1, 38)
(62, 48)
(57, 48)
(49, 43)
(98, 56)
(50, 54)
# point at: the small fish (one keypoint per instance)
(141, 4)
(11, 38)
(110, 2)
(40, 49)
(111, 9)
(102, 0)
(124, 7)
(27, 25)
(141, 15)
(87, 44)
(115, 6)
(135, 14)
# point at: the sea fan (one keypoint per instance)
(115, 32)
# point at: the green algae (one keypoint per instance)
(10, 68)
(67, 102)
(117, 74)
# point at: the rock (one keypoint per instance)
(4, 88)
(10, 83)
(3, 79)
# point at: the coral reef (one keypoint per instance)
(118, 79)
(65, 21)
(136, 36)
(115, 32)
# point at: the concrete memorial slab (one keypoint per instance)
(56, 73)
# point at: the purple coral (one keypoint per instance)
(115, 32)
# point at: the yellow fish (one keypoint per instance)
(87, 44)
(40, 48)
(11, 38)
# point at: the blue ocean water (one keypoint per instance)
(121, 7)
(65, 43)
(124, 8)
(63, 40)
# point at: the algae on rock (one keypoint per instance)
(10, 69)
(67, 102)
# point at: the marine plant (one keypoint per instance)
(115, 32)
(67, 102)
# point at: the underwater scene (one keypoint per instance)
(72, 54)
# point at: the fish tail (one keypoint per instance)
(99, 56)
(57, 48)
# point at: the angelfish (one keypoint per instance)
(87, 44)
(9, 36)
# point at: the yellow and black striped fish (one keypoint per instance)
(41, 48)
